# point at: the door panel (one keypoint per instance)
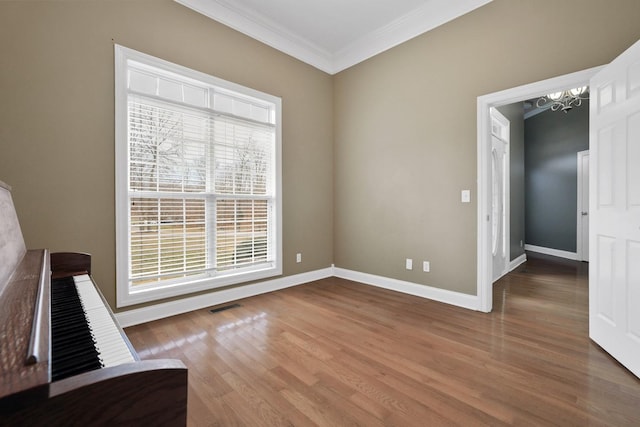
(633, 157)
(633, 300)
(499, 194)
(606, 265)
(605, 167)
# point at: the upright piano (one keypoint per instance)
(64, 360)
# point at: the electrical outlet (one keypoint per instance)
(408, 264)
(298, 257)
(426, 267)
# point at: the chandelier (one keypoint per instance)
(564, 100)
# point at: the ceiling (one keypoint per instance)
(333, 35)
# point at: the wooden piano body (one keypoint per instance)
(135, 393)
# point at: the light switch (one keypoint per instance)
(465, 196)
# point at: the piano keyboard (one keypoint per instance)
(84, 335)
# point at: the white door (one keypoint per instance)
(499, 194)
(614, 270)
(582, 243)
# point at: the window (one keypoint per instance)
(198, 199)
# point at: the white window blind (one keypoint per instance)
(201, 194)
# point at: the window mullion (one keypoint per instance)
(211, 204)
(185, 230)
(159, 234)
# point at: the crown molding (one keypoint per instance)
(263, 30)
(427, 17)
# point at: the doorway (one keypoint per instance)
(485, 267)
(582, 220)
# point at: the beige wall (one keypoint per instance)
(57, 119)
(405, 128)
(374, 158)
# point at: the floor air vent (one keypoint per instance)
(226, 307)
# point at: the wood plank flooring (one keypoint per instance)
(340, 353)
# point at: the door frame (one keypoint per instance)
(485, 102)
(580, 240)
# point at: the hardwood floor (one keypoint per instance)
(339, 353)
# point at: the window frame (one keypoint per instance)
(125, 295)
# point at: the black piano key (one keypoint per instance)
(83, 355)
(71, 336)
(73, 348)
(73, 332)
(68, 323)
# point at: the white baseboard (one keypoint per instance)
(184, 305)
(517, 262)
(552, 252)
(167, 309)
(441, 295)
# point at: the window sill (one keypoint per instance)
(128, 297)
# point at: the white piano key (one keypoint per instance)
(108, 339)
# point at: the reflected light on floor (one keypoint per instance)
(246, 321)
(173, 344)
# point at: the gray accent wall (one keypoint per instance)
(515, 114)
(552, 141)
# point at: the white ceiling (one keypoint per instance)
(333, 35)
